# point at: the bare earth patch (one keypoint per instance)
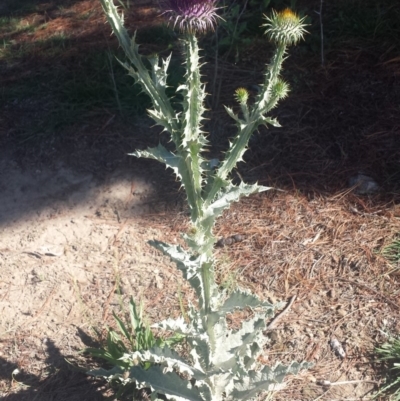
(71, 250)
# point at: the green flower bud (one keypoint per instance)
(285, 27)
(241, 95)
(281, 89)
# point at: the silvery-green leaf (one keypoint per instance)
(222, 200)
(222, 384)
(251, 384)
(161, 102)
(159, 118)
(231, 113)
(200, 352)
(197, 339)
(115, 373)
(214, 185)
(231, 344)
(226, 196)
(159, 73)
(165, 357)
(240, 299)
(183, 168)
(250, 339)
(169, 384)
(272, 121)
(188, 264)
(176, 325)
(161, 154)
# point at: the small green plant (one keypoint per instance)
(389, 354)
(133, 335)
(392, 251)
(222, 363)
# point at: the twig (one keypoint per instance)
(327, 383)
(272, 325)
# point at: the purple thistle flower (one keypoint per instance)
(192, 15)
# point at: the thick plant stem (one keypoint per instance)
(194, 93)
(267, 100)
(207, 270)
(237, 150)
(265, 103)
(192, 140)
(192, 143)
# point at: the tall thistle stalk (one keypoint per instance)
(222, 362)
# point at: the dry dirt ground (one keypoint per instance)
(67, 241)
(76, 217)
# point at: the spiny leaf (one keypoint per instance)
(232, 344)
(156, 93)
(184, 169)
(176, 325)
(159, 74)
(223, 200)
(272, 121)
(188, 264)
(200, 353)
(249, 385)
(165, 357)
(232, 114)
(170, 384)
(240, 299)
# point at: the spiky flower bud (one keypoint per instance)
(192, 15)
(241, 95)
(285, 27)
(280, 89)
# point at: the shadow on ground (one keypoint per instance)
(59, 380)
(65, 96)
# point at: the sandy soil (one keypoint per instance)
(73, 247)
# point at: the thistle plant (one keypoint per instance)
(223, 363)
